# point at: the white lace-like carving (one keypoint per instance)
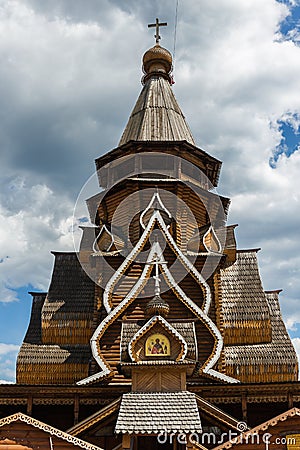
(156, 218)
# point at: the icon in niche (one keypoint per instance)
(157, 345)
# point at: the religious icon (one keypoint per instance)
(157, 345)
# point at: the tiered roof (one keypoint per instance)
(56, 346)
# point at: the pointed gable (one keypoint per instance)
(19, 431)
(172, 344)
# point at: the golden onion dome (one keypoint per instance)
(157, 61)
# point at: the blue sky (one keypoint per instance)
(290, 125)
(69, 76)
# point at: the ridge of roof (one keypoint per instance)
(249, 250)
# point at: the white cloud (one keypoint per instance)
(234, 82)
(8, 349)
(8, 353)
(296, 342)
(33, 220)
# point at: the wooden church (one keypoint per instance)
(158, 332)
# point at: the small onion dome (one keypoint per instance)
(157, 306)
(157, 61)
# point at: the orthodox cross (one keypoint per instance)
(157, 25)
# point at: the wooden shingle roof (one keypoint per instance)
(148, 413)
(257, 345)
(279, 353)
(71, 290)
(54, 354)
(56, 346)
(156, 116)
(243, 297)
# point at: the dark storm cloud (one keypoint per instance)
(67, 94)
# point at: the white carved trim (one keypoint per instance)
(48, 429)
(150, 324)
(95, 244)
(186, 263)
(155, 197)
(156, 217)
(212, 231)
(207, 368)
(133, 293)
(136, 289)
(123, 267)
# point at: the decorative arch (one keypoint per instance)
(114, 313)
(173, 345)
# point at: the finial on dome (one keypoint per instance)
(157, 60)
(157, 25)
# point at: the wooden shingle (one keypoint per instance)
(147, 413)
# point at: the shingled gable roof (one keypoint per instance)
(155, 412)
(20, 417)
(204, 407)
(290, 414)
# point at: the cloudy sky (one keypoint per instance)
(69, 76)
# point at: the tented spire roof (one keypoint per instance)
(157, 115)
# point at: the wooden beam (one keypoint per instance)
(126, 442)
(29, 405)
(290, 400)
(244, 408)
(189, 444)
(76, 409)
